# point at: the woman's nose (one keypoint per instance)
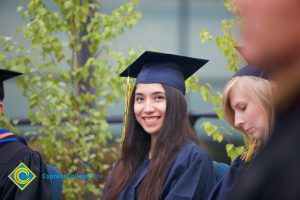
(239, 121)
(148, 107)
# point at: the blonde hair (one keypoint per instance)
(259, 91)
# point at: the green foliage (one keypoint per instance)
(212, 131)
(205, 36)
(70, 76)
(226, 44)
(6, 123)
(233, 151)
(192, 84)
(229, 5)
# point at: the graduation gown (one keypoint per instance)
(12, 153)
(224, 188)
(275, 171)
(191, 176)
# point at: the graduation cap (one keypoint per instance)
(5, 75)
(252, 71)
(169, 69)
(156, 67)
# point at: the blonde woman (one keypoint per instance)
(247, 106)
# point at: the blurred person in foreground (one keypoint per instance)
(270, 35)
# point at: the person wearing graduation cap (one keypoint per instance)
(13, 152)
(161, 157)
(247, 106)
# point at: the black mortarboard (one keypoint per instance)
(169, 69)
(5, 75)
(252, 71)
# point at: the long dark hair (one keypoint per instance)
(175, 132)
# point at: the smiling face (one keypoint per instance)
(150, 106)
(248, 116)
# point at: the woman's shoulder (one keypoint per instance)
(194, 148)
(238, 162)
(237, 166)
(192, 152)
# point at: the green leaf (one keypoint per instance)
(15, 122)
(19, 8)
(67, 4)
(229, 147)
(205, 36)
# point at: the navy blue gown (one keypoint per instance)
(13, 151)
(224, 188)
(190, 177)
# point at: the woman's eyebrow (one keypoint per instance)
(141, 94)
(239, 104)
(158, 92)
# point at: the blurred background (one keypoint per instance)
(171, 26)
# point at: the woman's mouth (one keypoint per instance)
(151, 120)
(250, 130)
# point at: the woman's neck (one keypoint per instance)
(152, 147)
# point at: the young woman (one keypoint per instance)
(247, 106)
(161, 157)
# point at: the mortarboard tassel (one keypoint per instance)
(127, 101)
(248, 154)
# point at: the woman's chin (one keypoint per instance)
(257, 136)
(152, 131)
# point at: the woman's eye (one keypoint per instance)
(243, 108)
(138, 99)
(159, 97)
